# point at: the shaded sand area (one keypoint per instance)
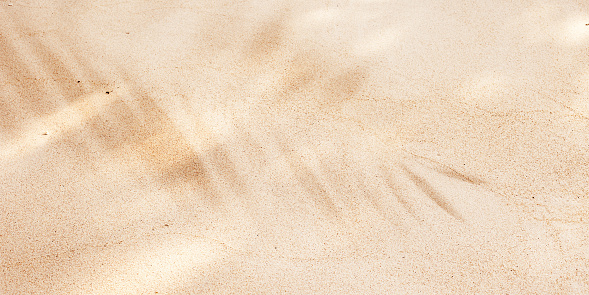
(295, 147)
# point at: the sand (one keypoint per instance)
(294, 147)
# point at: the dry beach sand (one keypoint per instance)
(294, 147)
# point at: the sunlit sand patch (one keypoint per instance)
(487, 91)
(72, 116)
(220, 124)
(575, 31)
(543, 23)
(378, 42)
(323, 16)
(154, 265)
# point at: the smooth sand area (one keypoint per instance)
(294, 147)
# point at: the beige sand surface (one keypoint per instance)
(294, 147)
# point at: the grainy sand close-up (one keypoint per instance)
(294, 147)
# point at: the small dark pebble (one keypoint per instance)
(78, 81)
(44, 133)
(166, 225)
(107, 92)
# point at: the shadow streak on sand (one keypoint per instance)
(432, 193)
(133, 131)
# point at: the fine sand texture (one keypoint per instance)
(294, 147)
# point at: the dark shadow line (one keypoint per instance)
(432, 193)
(448, 171)
(394, 187)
